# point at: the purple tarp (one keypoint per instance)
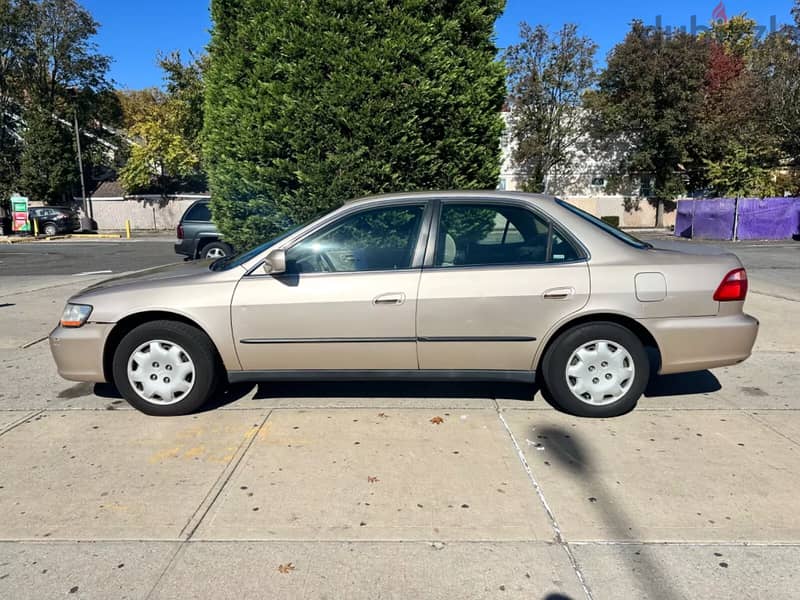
(683, 218)
(768, 219)
(713, 219)
(765, 219)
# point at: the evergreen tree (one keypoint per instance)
(61, 74)
(309, 104)
(649, 98)
(48, 169)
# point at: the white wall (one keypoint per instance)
(145, 213)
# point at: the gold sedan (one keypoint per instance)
(461, 286)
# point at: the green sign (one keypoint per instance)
(19, 214)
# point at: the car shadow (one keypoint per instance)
(394, 389)
(567, 451)
(683, 384)
(699, 382)
(224, 396)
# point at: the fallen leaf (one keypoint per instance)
(372, 479)
(287, 568)
(437, 420)
(383, 415)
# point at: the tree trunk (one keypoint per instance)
(660, 212)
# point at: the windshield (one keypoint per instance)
(617, 233)
(236, 260)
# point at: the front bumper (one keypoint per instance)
(78, 351)
(697, 343)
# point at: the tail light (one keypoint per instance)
(180, 232)
(733, 287)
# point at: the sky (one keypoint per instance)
(134, 32)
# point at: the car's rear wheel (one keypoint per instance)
(166, 368)
(216, 250)
(596, 370)
(50, 229)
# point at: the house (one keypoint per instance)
(585, 184)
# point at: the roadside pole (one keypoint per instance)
(128, 228)
(86, 210)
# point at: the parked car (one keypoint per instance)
(454, 285)
(54, 220)
(198, 237)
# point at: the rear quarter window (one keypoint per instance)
(199, 212)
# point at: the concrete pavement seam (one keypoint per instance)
(20, 421)
(208, 502)
(573, 561)
(219, 485)
(703, 544)
(771, 428)
(778, 296)
(49, 287)
(27, 345)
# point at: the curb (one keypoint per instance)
(96, 236)
(31, 239)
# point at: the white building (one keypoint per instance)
(584, 184)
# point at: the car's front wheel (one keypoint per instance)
(50, 229)
(596, 370)
(166, 368)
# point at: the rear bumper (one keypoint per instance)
(78, 352)
(186, 248)
(697, 343)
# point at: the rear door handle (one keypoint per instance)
(558, 293)
(391, 298)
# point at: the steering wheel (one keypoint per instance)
(326, 263)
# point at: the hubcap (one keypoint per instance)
(215, 253)
(600, 372)
(161, 372)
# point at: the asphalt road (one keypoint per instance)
(74, 257)
(772, 266)
(775, 265)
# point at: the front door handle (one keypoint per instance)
(391, 298)
(558, 293)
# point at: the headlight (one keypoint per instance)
(75, 315)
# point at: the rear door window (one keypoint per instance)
(473, 234)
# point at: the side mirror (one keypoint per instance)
(275, 262)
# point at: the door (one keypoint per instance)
(499, 278)
(347, 301)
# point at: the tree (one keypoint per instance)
(48, 169)
(166, 129)
(649, 99)
(740, 174)
(12, 37)
(777, 69)
(61, 74)
(548, 75)
(737, 142)
(311, 103)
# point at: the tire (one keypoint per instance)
(216, 250)
(50, 229)
(596, 370)
(185, 370)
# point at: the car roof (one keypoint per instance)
(452, 194)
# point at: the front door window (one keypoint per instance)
(381, 239)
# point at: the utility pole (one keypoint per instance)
(86, 209)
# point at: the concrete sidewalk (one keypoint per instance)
(354, 490)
